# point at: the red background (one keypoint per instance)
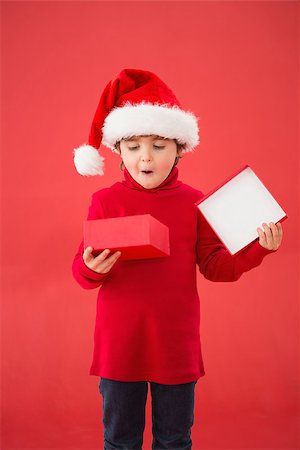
(234, 64)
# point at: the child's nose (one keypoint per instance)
(146, 155)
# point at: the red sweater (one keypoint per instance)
(148, 311)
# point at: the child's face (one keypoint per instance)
(148, 153)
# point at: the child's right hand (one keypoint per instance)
(100, 263)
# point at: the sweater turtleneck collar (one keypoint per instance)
(170, 182)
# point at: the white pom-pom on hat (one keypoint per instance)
(88, 161)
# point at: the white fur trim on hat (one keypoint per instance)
(146, 119)
(88, 161)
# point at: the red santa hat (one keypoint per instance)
(135, 103)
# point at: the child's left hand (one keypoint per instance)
(271, 237)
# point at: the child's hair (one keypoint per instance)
(179, 147)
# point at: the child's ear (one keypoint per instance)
(179, 151)
(180, 148)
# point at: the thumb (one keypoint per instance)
(87, 254)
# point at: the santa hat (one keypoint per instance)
(135, 103)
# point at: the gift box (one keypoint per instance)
(237, 207)
(137, 237)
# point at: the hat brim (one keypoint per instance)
(147, 119)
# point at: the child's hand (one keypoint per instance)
(271, 237)
(99, 263)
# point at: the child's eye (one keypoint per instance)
(157, 146)
(132, 148)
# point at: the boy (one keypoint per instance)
(148, 311)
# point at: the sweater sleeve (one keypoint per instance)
(215, 261)
(86, 277)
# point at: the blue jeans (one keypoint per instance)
(124, 414)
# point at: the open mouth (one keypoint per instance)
(147, 172)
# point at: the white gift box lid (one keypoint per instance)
(238, 207)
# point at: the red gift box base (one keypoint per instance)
(136, 237)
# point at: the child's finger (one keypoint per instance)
(102, 256)
(279, 234)
(280, 231)
(87, 255)
(262, 237)
(109, 262)
(112, 259)
(274, 231)
(268, 234)
(106, 257)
